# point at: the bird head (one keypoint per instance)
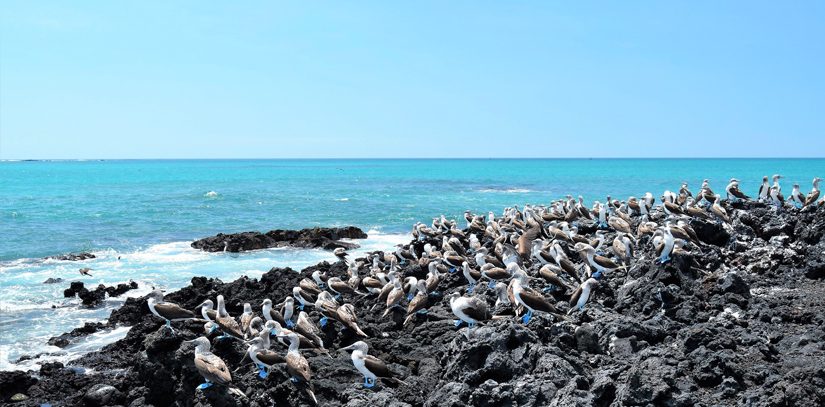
(360, 345)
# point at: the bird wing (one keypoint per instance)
(418, 302)
(298, 367)
(568, 268)
(812, 197)
(739, 194)
(477, 310)
(341, 287)
(346, 312)
(395, 297)
(269, 357)
(535, 301)
(605, 262)
(173, 311)
(277, 316)
(230, 326)
(576, 295)
(552, 278)
(673, 208)
(306, 296)
(525, 242)
(213, 368)
(245, 320)
(619, 248)
(376, 366)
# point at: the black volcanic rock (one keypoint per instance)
(93, 298)
(735, 320)
(71, 257)
(325, 238)
(14, 382)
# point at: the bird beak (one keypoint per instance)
(348, 347)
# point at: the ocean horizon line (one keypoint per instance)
(399, 158)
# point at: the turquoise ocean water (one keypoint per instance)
(148, 211)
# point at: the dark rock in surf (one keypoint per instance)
(325, 238)
(71, 257)
(93, 298)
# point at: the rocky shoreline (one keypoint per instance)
(737, 318)
(325, 238)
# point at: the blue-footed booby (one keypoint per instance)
(471, 275)
(273, 315)
(395, 296)
(600, 263)
(228, 325)
(246, 317)
(211, 367)
(497, 273)
(582, 295)
(417, 303)
(371, 367)
(764, 189)
(719, 211)
(263, 358)
(347, 316)
(166, 310)
(320, 278)
(733, 191)
(339, 287)
(814, 194)
(303, 297)
(298, 367)
(796, 198)
(471, 310)
(341, 254)
(530, 298)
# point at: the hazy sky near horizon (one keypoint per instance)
(188, 79)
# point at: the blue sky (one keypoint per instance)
(411, 79)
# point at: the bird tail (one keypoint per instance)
(312, 394)
(386, 312)
(408, 319)
(397, 381)
(236, 391)
(360, 332)
(322, 351)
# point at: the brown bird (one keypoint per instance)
(814, 194)
(211, 367)
(85, 271)
(371, 367)
(419, 302)
(298, 367)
